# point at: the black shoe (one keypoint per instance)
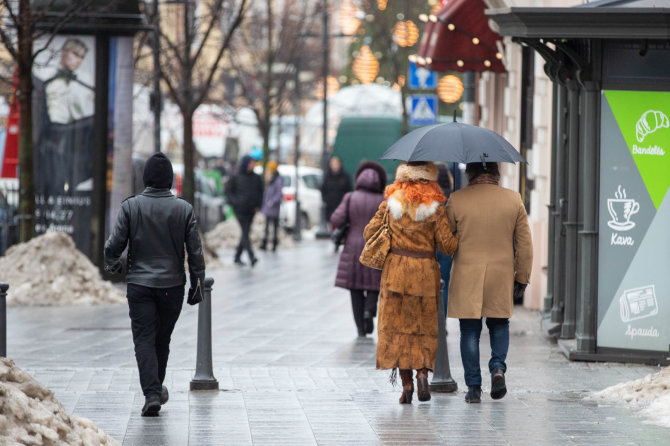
(254, 261)
(239, 262)
(165, 396)
(498, 388)
(264, 245)
(474, 394)
(274, 246)
(368, 325)
(152, 405)
(361, 333)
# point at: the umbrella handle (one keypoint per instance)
(483, 157)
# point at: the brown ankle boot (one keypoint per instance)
(407, 386)
(422, 384)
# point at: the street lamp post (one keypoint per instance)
(323, 231)
(297, 235)
(157, 99)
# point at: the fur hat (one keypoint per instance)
(416, 171)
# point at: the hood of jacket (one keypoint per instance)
(244, 164)
(399, 206)
(368, 179)
(371, 166)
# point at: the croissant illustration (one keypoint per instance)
(650, 121)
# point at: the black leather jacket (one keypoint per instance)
(157, 225)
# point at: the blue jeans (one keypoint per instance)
(471, 329)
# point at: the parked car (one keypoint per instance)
(209, 202)
(309, 195)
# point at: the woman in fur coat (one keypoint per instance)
(410, 284)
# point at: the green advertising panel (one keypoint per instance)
(634, 241)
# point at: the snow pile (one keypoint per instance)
(30, 415)
(649, 395)
(226, 235)
(49, 271)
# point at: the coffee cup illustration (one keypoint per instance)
(621, 209)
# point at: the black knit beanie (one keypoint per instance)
(158, 172)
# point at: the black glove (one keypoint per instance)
(195, 294)
(116, 268)
(519, 289)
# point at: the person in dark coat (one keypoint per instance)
(271, 203)
(336, 183)
(358, 207)
(156, 225)
(244, 192)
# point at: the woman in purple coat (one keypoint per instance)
(271, 203)
(358, 208)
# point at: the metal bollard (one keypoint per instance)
(3, 318)
(442, 381)
(204, 375)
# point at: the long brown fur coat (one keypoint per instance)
(407, 322)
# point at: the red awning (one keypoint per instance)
(460, 39)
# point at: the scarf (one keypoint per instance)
(484, 179)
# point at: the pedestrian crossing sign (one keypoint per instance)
(423, 109)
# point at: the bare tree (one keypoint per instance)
(19, 32)
(264, 56)
(191, 62)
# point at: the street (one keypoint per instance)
(292, 371)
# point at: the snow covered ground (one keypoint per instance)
(649, 396)
(48, 270)
(30, 415)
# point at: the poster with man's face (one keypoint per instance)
(63, 110)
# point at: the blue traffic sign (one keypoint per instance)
(423, 109)
(421, 78)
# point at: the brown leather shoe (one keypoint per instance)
(407, 386)
(422, 384)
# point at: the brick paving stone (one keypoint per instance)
(292, 371)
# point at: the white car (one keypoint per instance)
(309, 196)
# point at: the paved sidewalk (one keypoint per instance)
(293, 372)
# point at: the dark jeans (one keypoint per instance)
(471, 329)
(445, 262)
(271, 221)
(361, 301)
(245, 221)
(153, 315)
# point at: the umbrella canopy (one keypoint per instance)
(453, 142)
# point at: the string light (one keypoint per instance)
(433, 18)
(332, 87)
(412, 58)
(429, 60)
(365, 66)
(460, 63)
(405, 33)
(381, 4)
(475, 40)
(423, 17)
(450, 89)
(487, 63)
(451, 27)
(498, 56)
(348, 21)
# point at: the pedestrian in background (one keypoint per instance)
(357, 208)
(336, 183)
(271, 203)
(493, 262)
(244, 193)
(446, 183)
(156, 225)
(410, 283)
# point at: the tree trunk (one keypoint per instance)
(188, 183)
(25, 94)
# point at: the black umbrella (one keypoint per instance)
(453, 142)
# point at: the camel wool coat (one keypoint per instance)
(490, 223)
(410, 286)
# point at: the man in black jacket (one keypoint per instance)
(244, 192)
(156, 225)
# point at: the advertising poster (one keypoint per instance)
(63, 109)
(634, 221)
